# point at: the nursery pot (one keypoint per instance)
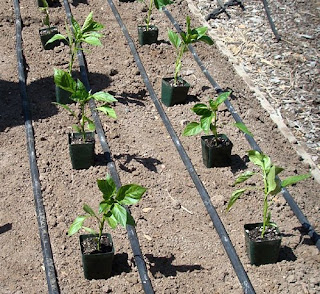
(97, 264)
(262, 251)
(46, 34)
(147, 36)
(174, 94)
(50, 3)
(63, 96)
(81, 152)
(216, 155)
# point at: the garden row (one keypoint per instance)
(123, 157)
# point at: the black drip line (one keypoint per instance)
(53, 287)
(132, 235)
(307, 228)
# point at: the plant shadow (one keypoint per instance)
(130, 98)
(5, 228)
(149, 162)
(75, 3)
(164, 266)
(40, 95)
(120, 264)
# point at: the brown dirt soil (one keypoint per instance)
(182, 250)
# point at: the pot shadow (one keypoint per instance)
(164, 266)
(192, 98)
(75, 3)
(238, 163)
(130, 98)
(149, 162)
(40, 94)
(5, 228)
(287, 254)
(120, 264)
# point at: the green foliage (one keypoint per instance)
(81, 96)
(181, 41)
(208, 118)
(88, 33)
(272, 185)
(45, 10)
(111, 208)
(159, 4)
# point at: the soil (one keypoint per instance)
(181, 247)
(89, 245)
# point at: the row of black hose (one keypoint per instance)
(51, 276)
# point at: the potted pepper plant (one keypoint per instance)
(174, 89)
(263, 239)
(47, 32)
(97, 248)
(148, 34)
(216, 148)
(82, 142)
(87, 33)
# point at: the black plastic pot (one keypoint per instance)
(40, 3)
(97, 265)
(216, 156)
(147, 36)
(173, 94)
(46, 34)
(261, 251)
(63, 96)
(81, 153)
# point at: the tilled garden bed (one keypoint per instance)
(182, 250)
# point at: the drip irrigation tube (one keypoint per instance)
(272, 25)
(293, 205)
(53, 287)
(242, 275)
(132, 235)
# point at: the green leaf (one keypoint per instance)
(243, 177)
(107, 187)
(88, 21)
(91, 126)
(267, 164)
(201, 31)
(56, 37)
(130, 194)
(92, 40)
(88, 210)
(192, 129)
(235, 196)
(64, 80)
(201, 109)
(222, 97)
(105, 206)
(207, 40)
(242, 127)
(76, 28)
(108, 111)
(120, 214)
(77, 224)
(278, 187)
(205, 123)
(159, 4)
(255, 157)
(111, 220)
(174, 39)
(278, 169)
(271, 182)
(130, 220)
(294, 179)
(104, 96)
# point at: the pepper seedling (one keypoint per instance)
(111, 209)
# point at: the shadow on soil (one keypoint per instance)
(164, 266)
(41, 94)
(5, 228)
(120, 264)
(148, 162)
(287, 254)
(131, 98)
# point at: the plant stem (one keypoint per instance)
(82, 105)
(265, 204)
(149, 14)
(100, 234)
(178, 63)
